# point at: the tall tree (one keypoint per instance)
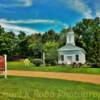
(22, 45)
(51, 54)
(7, 43)
(35, 45)
(51, 35)
(88, 36)
(62, 37)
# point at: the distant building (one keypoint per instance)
(70, 53)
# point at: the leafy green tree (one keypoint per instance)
(88, 36)
(22, 35)
(22, 45)
(51, 54)
(7, 43)
(51, 35)
(35, 45)
(1, 30)
(62, 37)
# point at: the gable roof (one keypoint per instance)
(70, 47)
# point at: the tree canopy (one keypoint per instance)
(87, 36)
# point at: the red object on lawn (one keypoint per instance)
(2, 63)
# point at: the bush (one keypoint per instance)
(31, 59)
(76, 65)
(52, 62)
(93, 65)
(37, 62)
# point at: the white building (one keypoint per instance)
(70, 53)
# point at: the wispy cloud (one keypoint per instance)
(16, 3)
(30, 21)
(12, 24)
(97, 13)
(97, 8)
(79, 6)
(33, 21)
(16, 29)
(82, 7)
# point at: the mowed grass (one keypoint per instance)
(19, 65)
(22, 88)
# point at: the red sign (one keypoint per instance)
(2, 63)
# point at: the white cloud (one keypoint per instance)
(27, 2)
(97, 13)
(16, 29)
(10, 25)
(17, 3)
(97, 8)
(79, 6)
(31, 21)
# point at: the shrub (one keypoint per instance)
(50, 61)
(94, 65)
(37, 62)
(76, 65)
(73, 64)
(31, 59)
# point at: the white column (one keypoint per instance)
(5, 57)
(44, 58)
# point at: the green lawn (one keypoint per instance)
(20, 66)
(22, 88)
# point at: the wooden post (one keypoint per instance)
(44, 58)
(5, 57)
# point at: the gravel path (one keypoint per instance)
(88, 78)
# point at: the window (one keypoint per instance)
(77, 57)
(62, 57)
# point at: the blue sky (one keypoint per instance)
(41, 15)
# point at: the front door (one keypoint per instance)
(69, 59)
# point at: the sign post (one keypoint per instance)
(44, 58)
(3, 65)
(5, 57)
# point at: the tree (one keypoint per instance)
(1, 30)
(62, 37)
(88, 36)
(50, 36)
(35, 45)
(7, 43)
(22, 45)
(22, 35)
(51, 54)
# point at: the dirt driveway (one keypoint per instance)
(88, 78)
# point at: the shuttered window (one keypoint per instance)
(77, 57)
(62, 57)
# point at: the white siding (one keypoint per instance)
(82, 58)
(73, 54)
